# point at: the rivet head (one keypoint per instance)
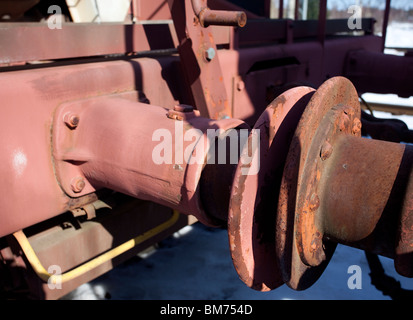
(71, 120)
(326, 150)
(172, 114)
(314, 202)
(344, 121)
(356, 126)
(210, 54)
(77, 184)
(316, 242)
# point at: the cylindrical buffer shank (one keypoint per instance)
(145, 151)
(368, 196)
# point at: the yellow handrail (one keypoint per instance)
(87, 266)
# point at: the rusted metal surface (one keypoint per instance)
(403, 259)
(208, 17)
(300, 242)
(340, 188)
(367, 198)
(252, 210)
(319, 183)
(361, 172)
(336, 187)
(145, 79)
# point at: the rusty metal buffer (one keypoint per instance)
(319, 182)
(326, 185)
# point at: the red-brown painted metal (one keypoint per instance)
(319, 183)
(146, 79)
(80, 40)
(379, 72)
(29, 166)
(389, 129)
(150, 10)
(143, 10)
(202, 70)
(116, 145)
(208, 17)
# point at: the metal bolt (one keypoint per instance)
(172, 114)
(343, 122)
(71, 120)
(240, 85)
(348, 110)
(356, 126)
(210, 54)
(77, 184)
(196, 21)
(316, 242)
(326, 150)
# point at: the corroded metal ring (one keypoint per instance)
(302, 252)
(254, 196)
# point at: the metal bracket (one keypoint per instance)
(200, 62)
(67, 120)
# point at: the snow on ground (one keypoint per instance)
(195, 263)
(399, 34)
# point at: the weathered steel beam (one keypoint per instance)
(34, 42)
(380, 73)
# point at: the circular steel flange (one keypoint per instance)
(302, 252)
(254, 194)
